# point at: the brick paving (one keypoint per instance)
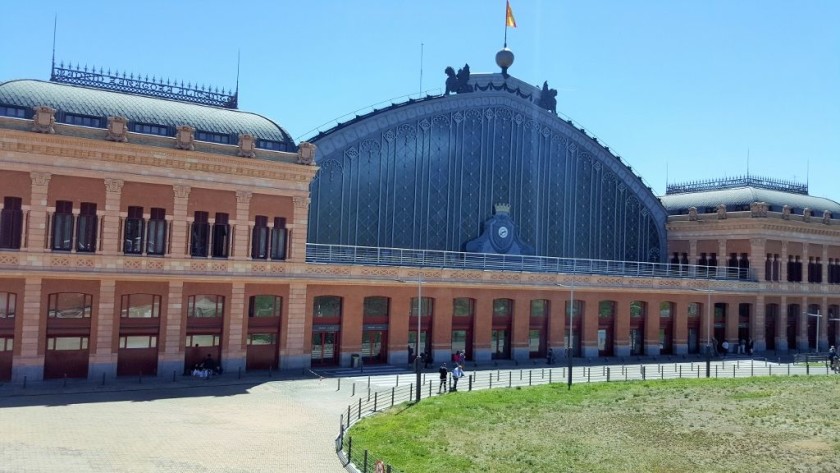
(272, 426)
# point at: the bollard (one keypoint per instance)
(520, 375)
(469, 380)
(368, 383)
(498, 373)
(411, 391)
(349, 449)
(529, 377)
(716, 372)
(339, 385)
(366, 461)
(788, 366)
(733, 372)
(643, 372)
(359, 416)
(589, 375)
(807, 365)
(491, 381)
(430, 388)
(608, 374)
(398, 380)
(392, 397)
(680, 372)
(543, 373)
(510, 379)
(375, 400)
(348, 416)
(549, 376)
(354, 390)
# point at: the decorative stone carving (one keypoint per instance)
(721, 212)
(185, 138)
(40, 178)
(806, 214)
(44, 120)
(117, 129)
(692, 214)
(758, 209)
(181, 191)
(243, 197)
(786, 212)
(114, 185)
(306, 153)
(826, 217)
(300, 202)
(247, 146)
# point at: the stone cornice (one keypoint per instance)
(94, 155)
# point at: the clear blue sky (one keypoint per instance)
(687, 86)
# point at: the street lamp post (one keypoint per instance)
(817, 341)
(569, 344)
(417, 360)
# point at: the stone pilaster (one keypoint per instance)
(652, 324)
(822, 343)
(296, 349)
(783, 266)
(758, 324)
(781, 323)
(28, 361)
(692, 251)
(111, 224)
(824, 269)
(179, 242)
(298, 229)
(758, 256)
(103, 357)
(233, 355)
(171, 344)
(802, 325)
(242, 225)
(722, 257)
(482, 329)
(38, 218)
(621, 335)
(680, 327)
(520, 329)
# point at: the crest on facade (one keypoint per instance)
(117, 129)
(247, 146)
(721, 212)
(499, 236)
(44, 120)
(758, 209)
(826, 217)
(806, 214)
(306, 153)
(692, 214)
(786, 212)
(185, 138)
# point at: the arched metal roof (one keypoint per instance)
(140, 109)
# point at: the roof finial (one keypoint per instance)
(52, 66)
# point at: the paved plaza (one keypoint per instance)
(274, 426)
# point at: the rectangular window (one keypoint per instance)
(265, 306)
(534, 341)
(221, 236)
(202, 340)
(140, 306)
(86, 228)
(69, 305)
(206, 306)
(212, 137)
(138, 341)
(272, 145)
(259, 238)
(200, 235)
(278, 239)
(67, 343)
(156, 235)
(83, 120)
(62, 226)
(150, 129)
(262, 339)
(14, 112)
(7, 344)
(11, 223)
(8, 301)
(133, 231)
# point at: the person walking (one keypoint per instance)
(725, 347)
(443, 371)
(457, 373)
(549, 357)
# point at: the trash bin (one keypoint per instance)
(355, 361)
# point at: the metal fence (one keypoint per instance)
(375, 256)
(373, 398)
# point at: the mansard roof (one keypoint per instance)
(93, 102)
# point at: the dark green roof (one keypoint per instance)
(742, 197)
(139, 109)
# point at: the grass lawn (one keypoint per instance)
(772, 424)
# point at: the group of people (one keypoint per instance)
(206, 368)
(743, 347)
(457, 374)
(833, 360)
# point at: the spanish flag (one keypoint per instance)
(509, 19)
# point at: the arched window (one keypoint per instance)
(606, 309)
(463, 307)
(69, 305)
(539, 308)
(665, 309)
(502, 307)
(140, 306)
(205, 305)
(637, 309)
(265, 306)
(426, 306)
(327, 307)
(376, 307)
